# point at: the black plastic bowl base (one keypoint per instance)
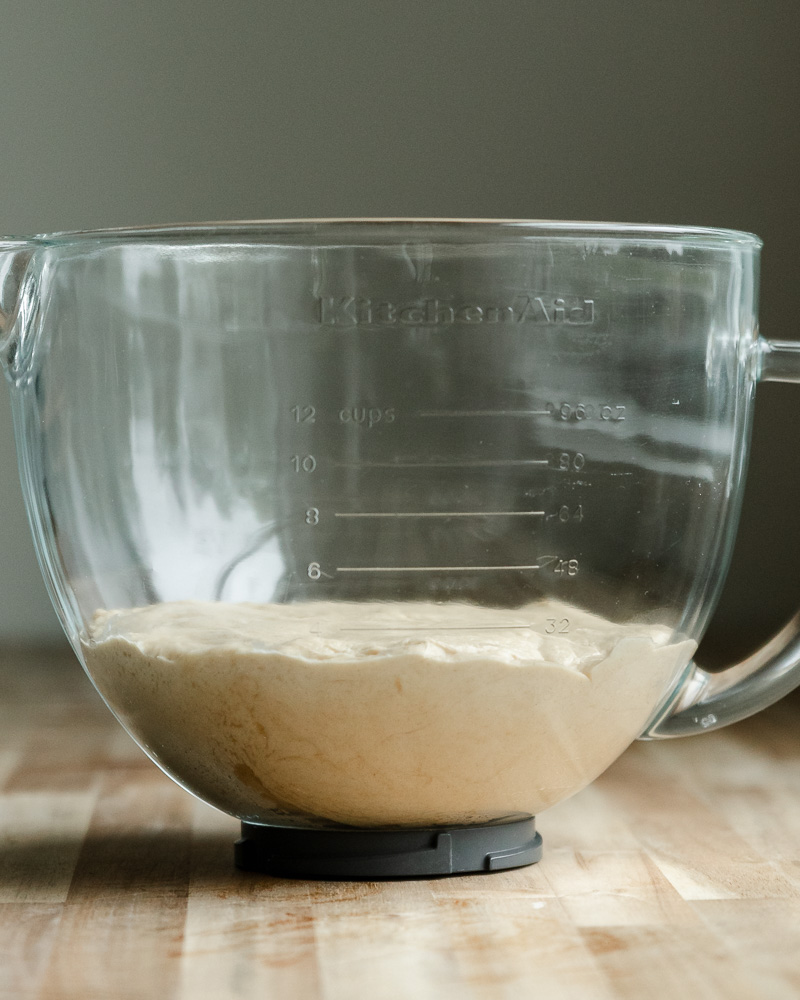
(362, 854)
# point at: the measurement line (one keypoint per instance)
(446, 513)
(484, 413)
(425, 569)
(434, 628)
(471, 464)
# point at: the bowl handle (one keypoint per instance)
(15, 259)
(708, 701)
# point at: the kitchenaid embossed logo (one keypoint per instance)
(351, 310)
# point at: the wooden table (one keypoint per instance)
(676, 875)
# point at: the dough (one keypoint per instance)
(380, 714)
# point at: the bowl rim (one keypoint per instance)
(359, 229)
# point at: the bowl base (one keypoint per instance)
(356, 854)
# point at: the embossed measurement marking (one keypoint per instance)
(435, 628)
(445, 513)
(465, 464)
(427, 569)
(484, 413)
(575, 412)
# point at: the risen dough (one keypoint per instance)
(380, 714)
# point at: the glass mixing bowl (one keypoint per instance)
(391, 528)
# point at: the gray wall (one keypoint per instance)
(128, 113)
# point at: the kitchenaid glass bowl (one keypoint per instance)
(391, 523)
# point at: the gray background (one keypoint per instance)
(131, 113)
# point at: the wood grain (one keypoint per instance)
(677, 873)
